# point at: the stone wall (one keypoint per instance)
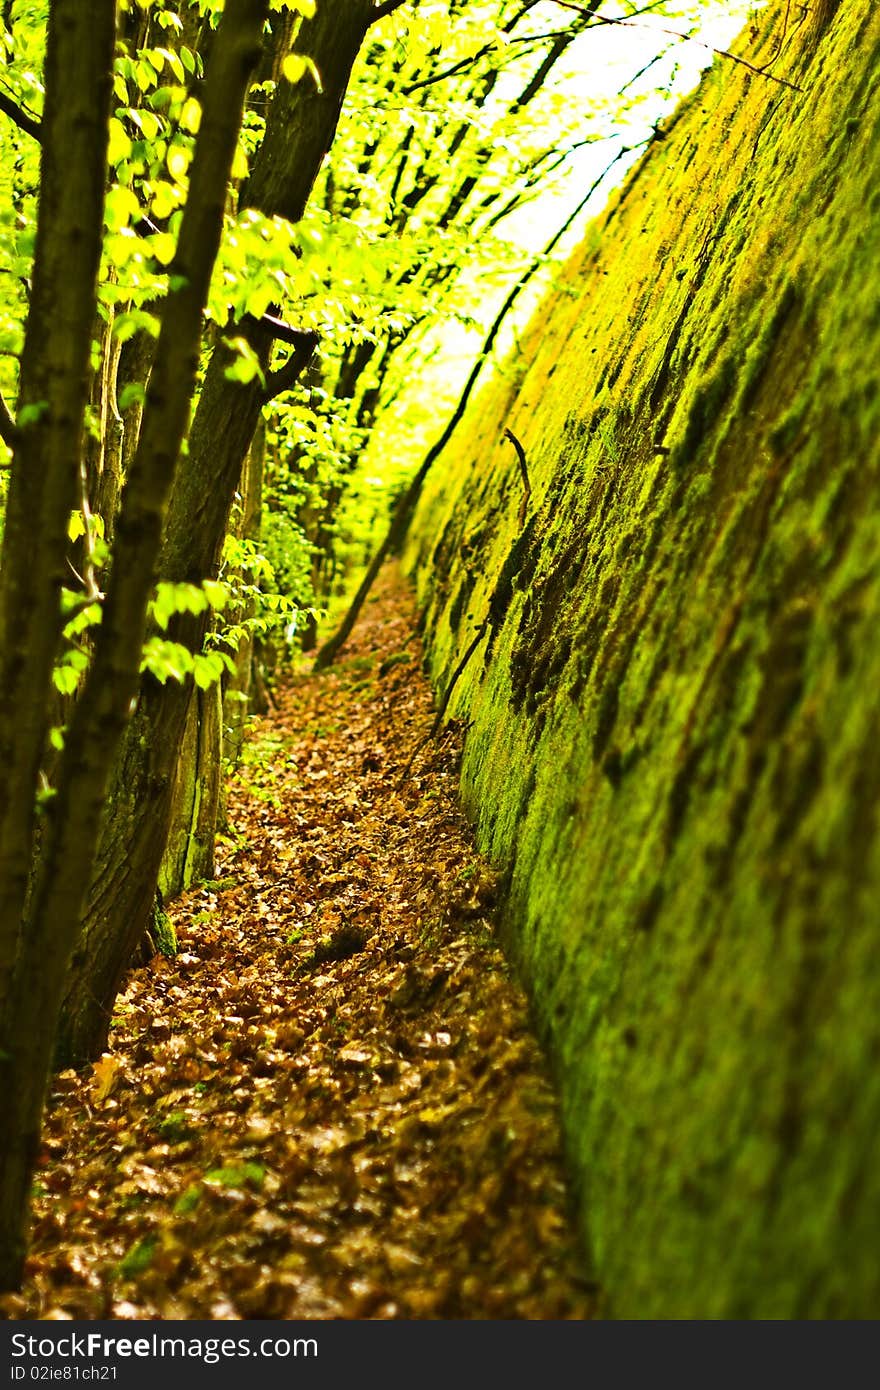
(674, 741)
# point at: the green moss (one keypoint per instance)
(188, 1200)
(240, 1175)
(393, 661)
(775, 318)
(163, 933)
(709, 401)
(174, 1128)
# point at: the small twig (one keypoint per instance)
(524, 471)
(447, 696)
(657, 58)
(93, 593)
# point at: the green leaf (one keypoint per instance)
(145, 75)
(120, 144)
(166, 660)
(174, 62)
(191, 116)
(246, 365)
(163, 246)
(238, 1175)
(208, 668)
(239, 164)
(295, 67)
(135, 321)
(121, 208)
(90, 616)
(65, 679)
(258, 300)
(179, 158)
(164, 199)
(188, 1201)
(176, 598)
(216, 593)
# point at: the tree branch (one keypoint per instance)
(16, 113)
(449, 72)
(8, 431)
(387, 8)
(447, 696)
(286, 377)
(524, 473)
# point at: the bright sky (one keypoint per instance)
(607, 59)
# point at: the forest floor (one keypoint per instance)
(329, 1103)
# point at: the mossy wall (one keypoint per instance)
(674, 741)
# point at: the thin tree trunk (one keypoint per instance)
(54, 388)
(237, 689)
(43, 491)
(189, 852)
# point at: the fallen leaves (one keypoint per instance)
(329, 1104)
(105, 1074)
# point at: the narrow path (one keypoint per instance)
(329, 1104)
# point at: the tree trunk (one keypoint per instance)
(214, 728)
(54, 386)
(237, 689)
(43, 490)
(195, 803)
